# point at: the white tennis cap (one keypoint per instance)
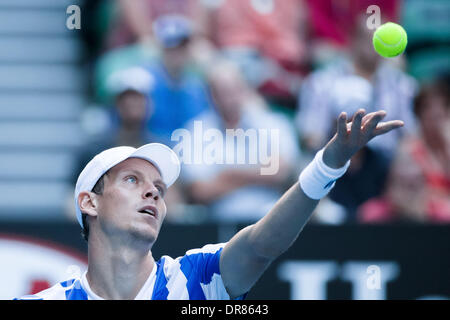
(135, 78)
(161, 156)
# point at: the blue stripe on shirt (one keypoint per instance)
(76, 292)
(189, 270)
(160, 291)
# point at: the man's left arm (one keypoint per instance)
(249, 253)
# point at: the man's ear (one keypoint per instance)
(87, 201)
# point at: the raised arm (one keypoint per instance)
(248, 254)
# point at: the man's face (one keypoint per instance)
(434, 116)
(175, 59)
(227, 95)
(131, 106)
(362, 48)
(132, 201)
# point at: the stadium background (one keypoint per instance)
(57, 108)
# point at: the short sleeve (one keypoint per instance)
(202, 270)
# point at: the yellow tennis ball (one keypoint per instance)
(390, 40)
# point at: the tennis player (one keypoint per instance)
(119, 199)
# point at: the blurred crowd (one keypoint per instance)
(291, 65)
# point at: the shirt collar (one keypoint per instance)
(144, 294)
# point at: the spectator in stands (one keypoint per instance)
(361, 81)
(331, 24)
(264, 37)
(365, 179)
(130, 38)
(179, 93)
(134, 19)
(128, 120)
(419, 183)
(133, 108)
(240, 191)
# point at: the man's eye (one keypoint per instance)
(160, 190)
(131, 179)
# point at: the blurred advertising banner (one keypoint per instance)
(326, 262)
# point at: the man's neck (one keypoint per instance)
(130, 136)
(174, 74)
(119, 272)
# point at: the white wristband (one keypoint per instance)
(317, 179)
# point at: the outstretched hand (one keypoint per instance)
(249, 253)
(352, 136)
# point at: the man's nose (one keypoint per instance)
(151, 192)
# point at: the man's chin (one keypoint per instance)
(146, 233)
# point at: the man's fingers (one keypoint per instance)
(366, 118)
(387, 126)
(373, 121)
(342, 125)
(370, 116)
(367, 124)
(356, 124)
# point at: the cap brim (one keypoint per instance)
(163, 158)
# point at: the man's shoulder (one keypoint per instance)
(194, 260)
(195, 275)
(206, 250)
(65, 290)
